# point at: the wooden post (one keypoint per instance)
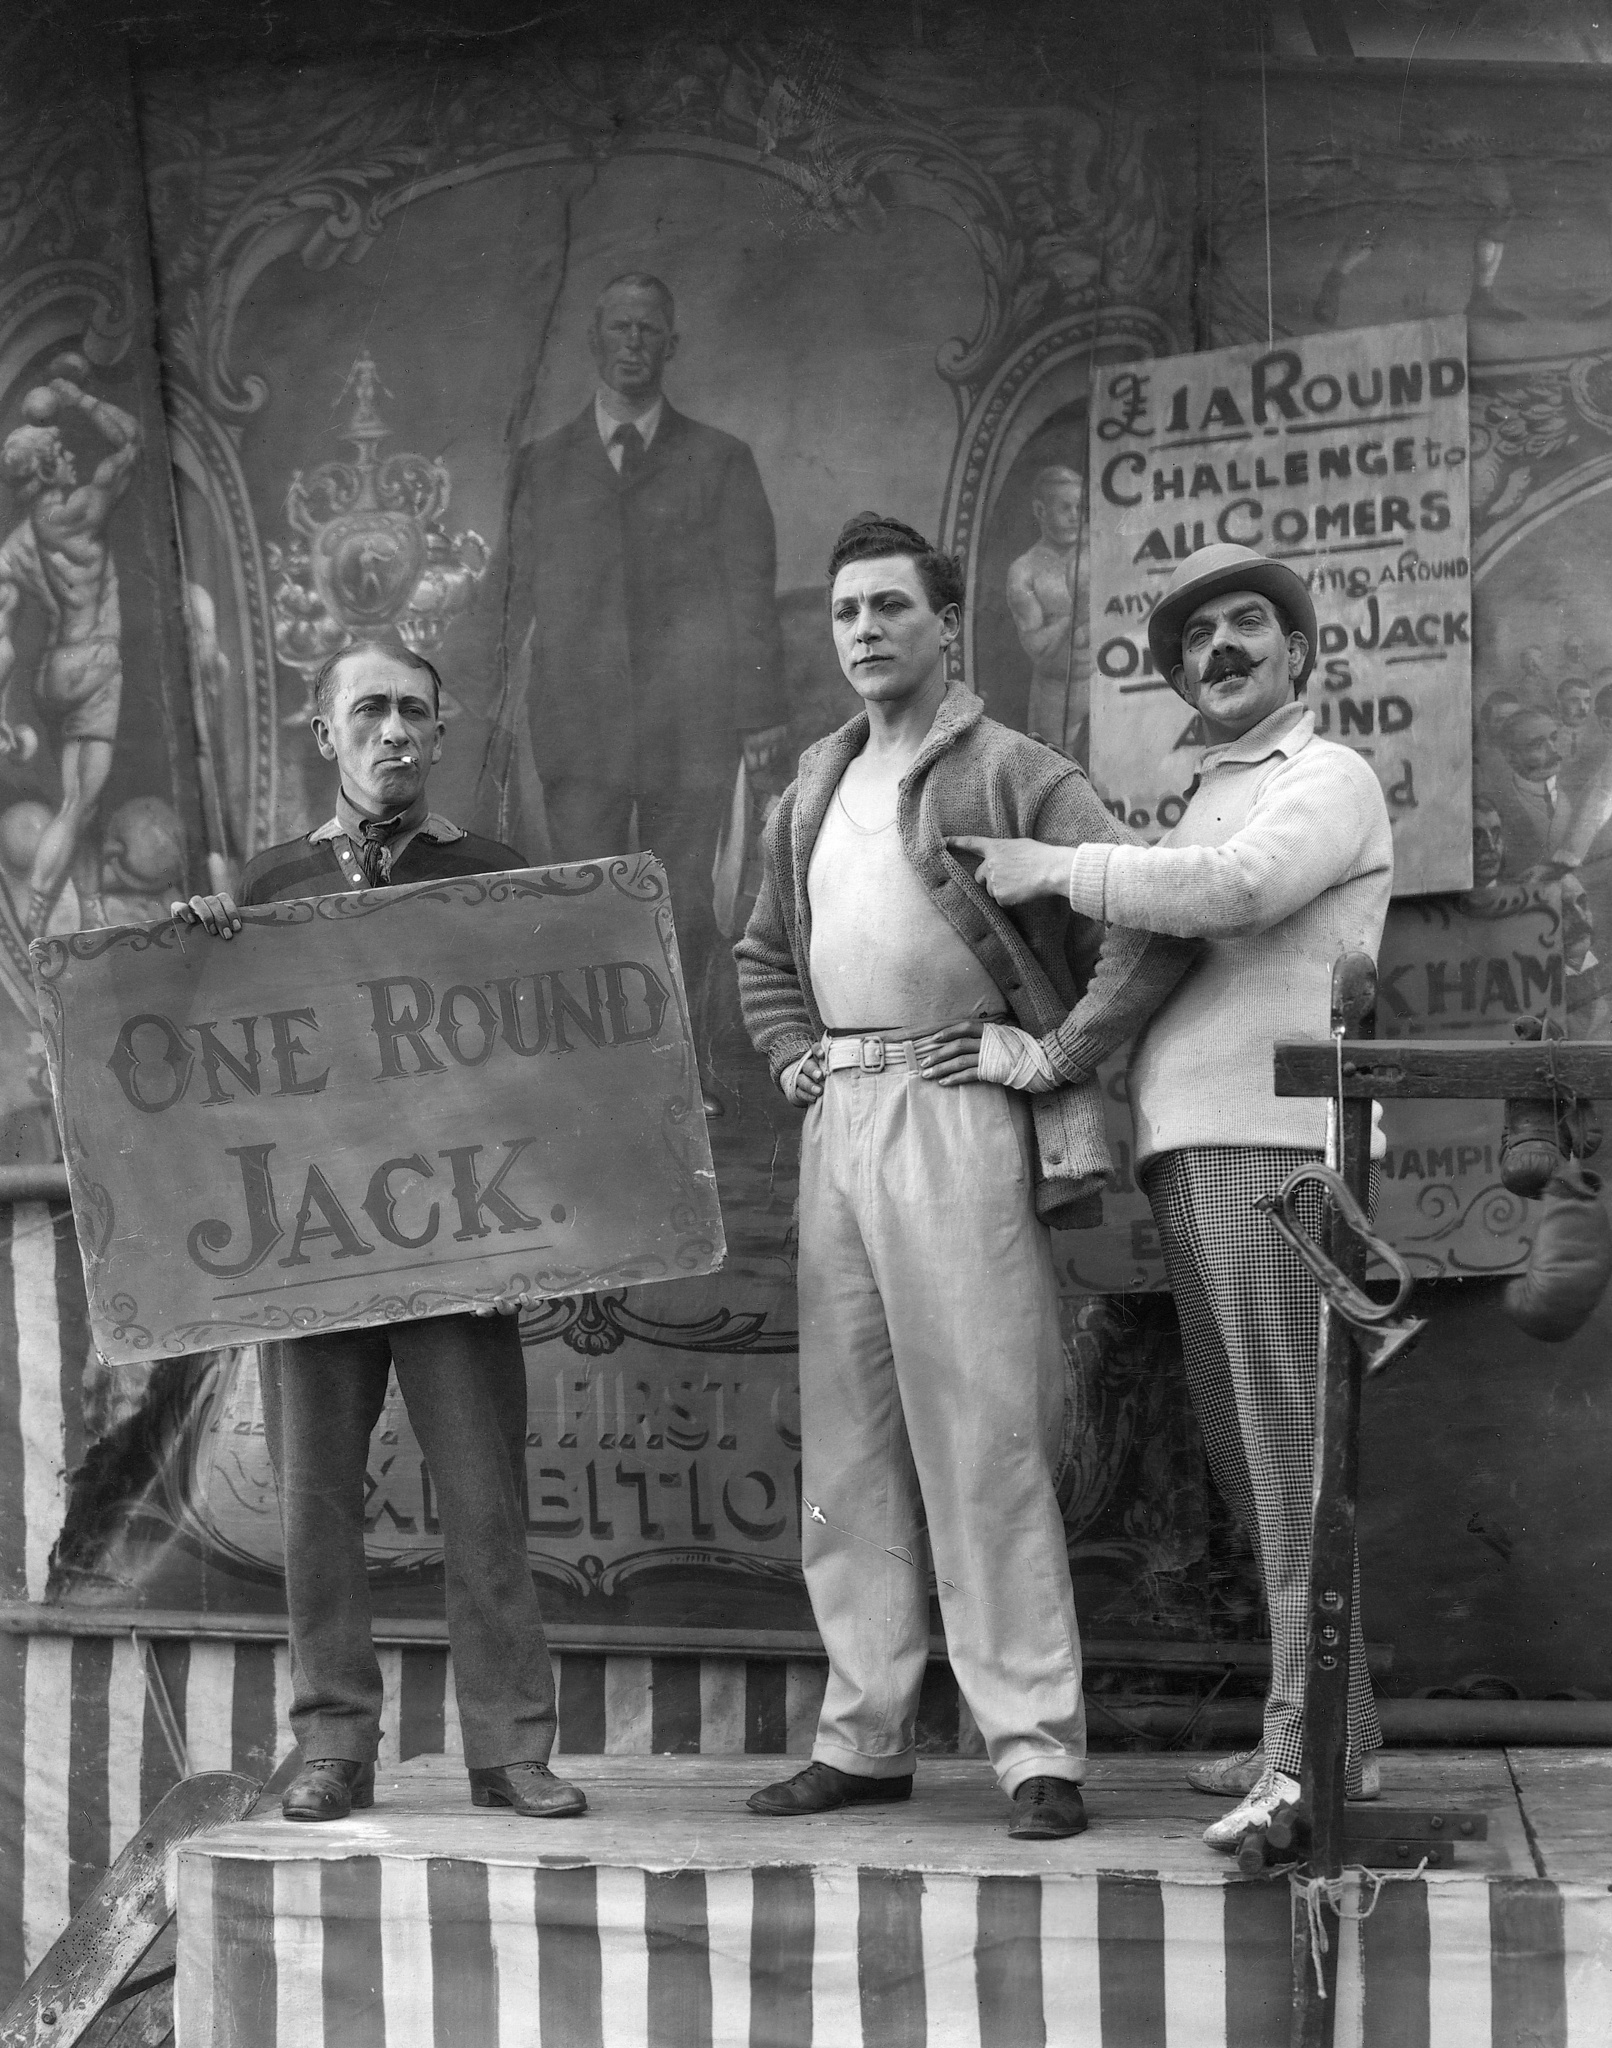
(1332, 1588)
(1403, 1070)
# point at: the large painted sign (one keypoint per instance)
(1464, 967)
(1346, 456)
(379, 1105)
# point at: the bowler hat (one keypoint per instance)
(1211, 572)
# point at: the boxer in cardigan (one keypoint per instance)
(1282, 862)
(463, 1377)
(919, 1027)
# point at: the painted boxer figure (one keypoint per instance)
(60, 556)
(1282, 862)
(463, 1377)
(920, 1027)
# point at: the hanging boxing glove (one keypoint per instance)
(1536, 1136)
(1569, 1263)
(1529, 1153)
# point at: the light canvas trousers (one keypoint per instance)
(931, 1391)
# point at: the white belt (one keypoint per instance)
(867, 1052)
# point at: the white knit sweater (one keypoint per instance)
(1283, 860)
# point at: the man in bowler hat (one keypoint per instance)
(1283, 861)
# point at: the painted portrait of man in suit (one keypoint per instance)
(639, 557)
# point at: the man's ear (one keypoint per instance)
(1298, 649)
(951, 623)
(672, 340)
(436, 741)
(321, 735)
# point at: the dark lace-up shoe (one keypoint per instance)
(328, 1788)
(530, 1788)
(1046, 1809)
(820, 1788)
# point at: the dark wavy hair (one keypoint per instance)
(870, 535)
(324, 684)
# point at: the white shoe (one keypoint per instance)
(1230, 1776)
(1257, 1810)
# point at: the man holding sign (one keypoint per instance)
(463, 1377)
(1283, 861)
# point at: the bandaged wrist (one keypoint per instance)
(1015, 1059)
(791, 1074)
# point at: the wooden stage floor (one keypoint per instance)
(670, 1917)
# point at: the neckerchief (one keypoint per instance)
(367, 847)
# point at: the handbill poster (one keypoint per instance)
(1344, 455)
(379, 1105)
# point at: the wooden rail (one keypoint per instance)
(1415, 1069)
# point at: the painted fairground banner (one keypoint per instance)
(1344, 455)
(104, 783)
(382, 301)
(481, 1089)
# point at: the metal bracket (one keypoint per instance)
(1379, 1329)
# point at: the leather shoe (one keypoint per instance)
(1047, 1809)
(820, 1788)
(328, 1788)
(530, 1788)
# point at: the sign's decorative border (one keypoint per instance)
(638, 877)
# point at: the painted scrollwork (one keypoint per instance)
(1063, 206)
(597, 1324)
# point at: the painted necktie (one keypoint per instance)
(631, 443)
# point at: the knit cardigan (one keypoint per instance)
(974, 776)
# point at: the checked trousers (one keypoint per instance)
(1249, 1314)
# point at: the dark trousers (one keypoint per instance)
(464, 1383)
(682, 825)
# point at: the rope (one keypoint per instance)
(1265, 157)
(162, 1706)
(1557, 1099)
(1319, 1892)
(1334, 1153)
(1099, 299)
